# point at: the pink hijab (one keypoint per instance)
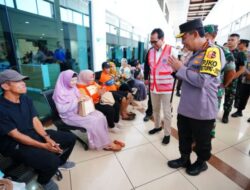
(86, 76)
(63, 92)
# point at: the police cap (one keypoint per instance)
(190, 26)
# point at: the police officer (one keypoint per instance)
(199, 104)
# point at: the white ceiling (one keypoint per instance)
(178, 10)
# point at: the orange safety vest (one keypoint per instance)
(160, 72)
(86, 91)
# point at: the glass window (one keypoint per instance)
(27, 5)
(113, 29)
(9, 3)
(107, 28)
(66, 15)
(86, 20)
(124, 33)
(45, 8)
(40, 47)
(77, 18)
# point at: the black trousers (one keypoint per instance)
(111, 112)
(149, 111)
(244, 95)
(190, 130)
(43, 161)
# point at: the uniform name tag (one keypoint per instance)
(211, 63)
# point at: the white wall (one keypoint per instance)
(224, 13)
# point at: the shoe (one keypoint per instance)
(165, 140)
(225, 117)
(114, 130)
(51, 185)
(155, 130)
(248, 120)
(183, 161)
(113, 147)
(237, 114)
(178, 94)
(196, 168)
(120, 143)
(147, 118)
(128, 118)
(67, 165)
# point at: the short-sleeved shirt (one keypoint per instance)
(240, 59)
(15, 116)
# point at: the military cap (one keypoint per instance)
(190, 26)
(211, 28)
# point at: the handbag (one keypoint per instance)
(107, 99)
(85, 107)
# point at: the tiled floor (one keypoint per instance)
(141, 165)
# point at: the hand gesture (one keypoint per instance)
(174, 63)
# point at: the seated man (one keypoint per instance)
(22, 136)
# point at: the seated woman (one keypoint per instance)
(141, 92)
(87, 86)
(67, 97)
(108, 82)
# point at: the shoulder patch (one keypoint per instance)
(211, 63)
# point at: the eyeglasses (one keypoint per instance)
(154, 42)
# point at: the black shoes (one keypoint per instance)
(178, 94)
(147, 118)
(183, 161)
(238, 113)
(225, 117)
(165, 140)
(248, 120)
(155, 130)
(196, 168)
(192, 169)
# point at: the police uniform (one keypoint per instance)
(198, 105)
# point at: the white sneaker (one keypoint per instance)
(114, 130)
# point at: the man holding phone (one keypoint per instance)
(22, 136)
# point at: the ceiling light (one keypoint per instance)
(27, 22)
(43, 34)
(61, 29)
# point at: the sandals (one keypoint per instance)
(129, 118)
(114, 147)
(131, 114)
(120, 143)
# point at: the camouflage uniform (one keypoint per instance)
(230, 65)
(230, 91)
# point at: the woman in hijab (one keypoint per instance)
(88, 87)
(67, 97)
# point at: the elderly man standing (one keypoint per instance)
(161, 83)
(199, 103)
